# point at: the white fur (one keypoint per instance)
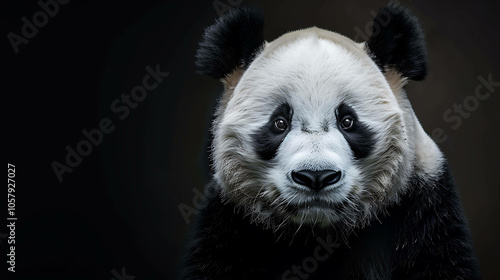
(314, 75)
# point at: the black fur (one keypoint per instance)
(423, 237)
(359, 136)
(231, 42)
(268, 139)
(398, 42)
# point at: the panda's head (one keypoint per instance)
(313, 128)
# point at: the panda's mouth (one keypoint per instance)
(332, 199)
(318, 204)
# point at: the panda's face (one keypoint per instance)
(308, 134)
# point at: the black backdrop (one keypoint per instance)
(118, 212)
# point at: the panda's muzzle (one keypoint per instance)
(316, 180)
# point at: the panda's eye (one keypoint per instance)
(280, 124)
(347, 122)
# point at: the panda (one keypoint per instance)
(321, 169)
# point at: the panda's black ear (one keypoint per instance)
(231, 42)
(397, 42)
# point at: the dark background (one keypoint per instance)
(119, 208)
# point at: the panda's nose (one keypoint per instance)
(316, 180)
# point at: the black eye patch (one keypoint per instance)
(269, 137)
(360, 138)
